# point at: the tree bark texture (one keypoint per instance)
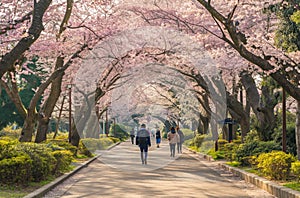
(262, 106)
(7, 62)
(236, 41)
(28, 127)
(48, 107)
(298, 129)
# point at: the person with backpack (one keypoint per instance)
(181, 137)
(143, 141)
(173, 138)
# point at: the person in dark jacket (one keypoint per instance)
(143, 141)
(158, 138)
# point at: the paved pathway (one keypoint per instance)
(119, 173)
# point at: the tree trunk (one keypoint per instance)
(92, 129)
(205, 124)
(75, 137)
(83, 116)
(48, 107)
(59, 116)
(28, 128)
(262, 106)
(42, 129)
(298, 129)
(200, 127)
(245, 127)
(238, 113)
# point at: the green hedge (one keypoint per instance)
(295, 168)
(119, 131)
(16, 170)
(43, 161)
(21, 163)
(63, 161)
(61, 144)
(7, 149)
(90, 145)
(245, 151)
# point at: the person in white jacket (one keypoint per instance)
(173, 138)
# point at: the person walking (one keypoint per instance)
(173, 138)
(158, 138)
(143, 141)
(181, 139)
(132, 135)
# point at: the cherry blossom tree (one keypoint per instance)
(50, 27)
(242, 30)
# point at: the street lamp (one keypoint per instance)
(283, 120)
(69, 87)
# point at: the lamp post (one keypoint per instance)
(114, 127)
(103, 125)
(69, 87)
(283, 120)
(59, 116)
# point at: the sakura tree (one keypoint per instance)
(244, 30)
(44, 29)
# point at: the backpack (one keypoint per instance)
(142, 137)
(143, 141)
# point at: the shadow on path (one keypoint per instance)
(119, 173)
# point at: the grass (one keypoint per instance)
(81, 156)
(21, 191)
(295, 185)
(234, 163)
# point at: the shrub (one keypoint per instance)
(188, 143)
(233, 163)
(106, 142)
(61, 144)
(115, 140)
(239, 141)
(206, 146)
(84, 150)
(11, 131)
(59, 136)
(295, 169)
(198, 140)
(16, 170)
(221, 144)
(216, 154)
(42, 160)
(251, 136)
(254, 148)
(7, 150)
(90, 145)
(275, 165)
(290, 132)
(119, 131)
(230, 151)
(63, 161)
(188, 134)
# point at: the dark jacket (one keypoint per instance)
(143, 138)
(157, 134)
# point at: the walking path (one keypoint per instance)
(119, 173)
